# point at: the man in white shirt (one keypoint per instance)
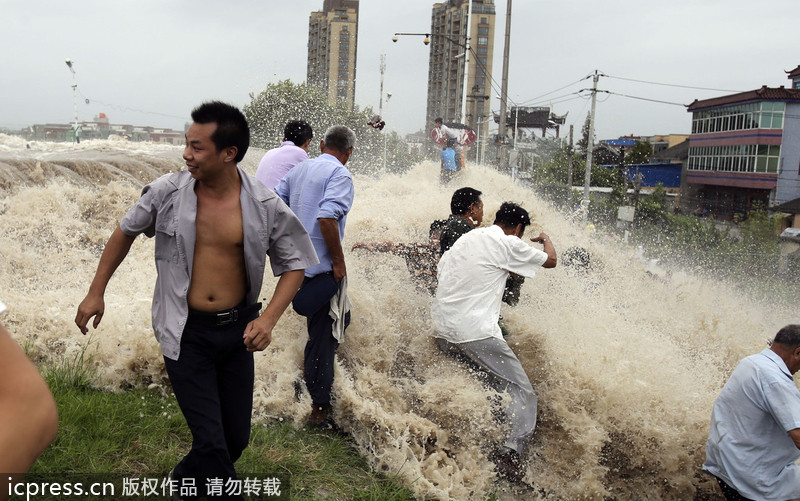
(466, 309)
(754, 442)
(293, 150)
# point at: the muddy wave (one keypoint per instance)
(626, 365)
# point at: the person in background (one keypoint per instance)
(466, 212)
(449, 167)
(451, 135)
(754, 441)
(466, 310)
(294, 149)
(421, 259)
(320, 191)
(214, 227)
(28, 414)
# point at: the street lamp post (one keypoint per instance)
(388, 96)
(464, 45)
(74, 100)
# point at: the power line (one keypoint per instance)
(554, 91)
(671, 85)
(645, 99)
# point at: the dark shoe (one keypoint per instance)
(508, 465)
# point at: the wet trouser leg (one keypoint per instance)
(504, 373)
(313, 301)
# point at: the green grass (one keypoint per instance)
(142, 433)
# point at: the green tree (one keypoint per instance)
(268, 112)
(583, 142)
(640, 153)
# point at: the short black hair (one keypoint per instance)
(298, 132)
(462, 199)
(511, 214)
(232, 128)
(788, 336)
(437, 120)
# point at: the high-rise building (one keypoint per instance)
(332, 39)
(450, 28)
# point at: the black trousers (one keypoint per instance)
(729, 492)
(313, 301)
(213, 383)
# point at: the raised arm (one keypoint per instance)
(93, 305)
(552, 257)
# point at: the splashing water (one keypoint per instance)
(626, 366)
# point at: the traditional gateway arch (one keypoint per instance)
(532, 117)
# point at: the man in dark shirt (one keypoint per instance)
(466, 212)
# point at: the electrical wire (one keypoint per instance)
(671, 85)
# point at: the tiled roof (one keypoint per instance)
(790, 207)
(795, 72)
(764, 93)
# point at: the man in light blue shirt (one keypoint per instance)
(754, 442)
(320, 191)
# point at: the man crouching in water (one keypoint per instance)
(214, 227)
(472, 276)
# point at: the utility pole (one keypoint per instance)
(383, 69)
(466, 66)
(74, 100)
(504, 88)
(569, 168)
(589, 147)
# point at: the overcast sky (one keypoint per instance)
(149, 62)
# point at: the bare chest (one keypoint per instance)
(219, 223)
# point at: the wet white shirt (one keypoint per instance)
(749, 446)
(472, 276)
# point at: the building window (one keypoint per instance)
(484, 20)
(483, 40)
(761, 158)
(483, 30)
(343, 63)
(344, 37)
(764, 115)
(483, 50)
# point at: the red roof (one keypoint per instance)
(763, 94)
(795, 72)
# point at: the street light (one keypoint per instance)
(464, 45)
(388, 97)
(74, 99)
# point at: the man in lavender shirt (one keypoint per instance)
(293, 150)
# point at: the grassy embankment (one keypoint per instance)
(142, 433)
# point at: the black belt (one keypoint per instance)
(224, 317)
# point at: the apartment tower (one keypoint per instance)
(332, 38)
(450, 27)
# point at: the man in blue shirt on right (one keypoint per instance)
(320, 192)
(754, 443)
